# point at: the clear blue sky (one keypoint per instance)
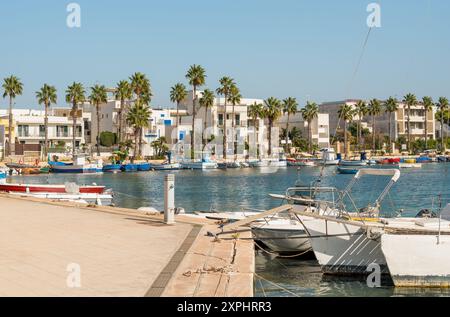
(305, 49)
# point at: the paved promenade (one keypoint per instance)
(42, 246)
(60, 249)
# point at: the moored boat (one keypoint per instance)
(129, 168)
(166, 167)
(144, 167)
(347, 171)
(112, 168)
(40, 188)
(105, 199)
(352, 163)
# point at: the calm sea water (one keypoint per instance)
(234, 190)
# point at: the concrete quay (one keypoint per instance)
(68, 250)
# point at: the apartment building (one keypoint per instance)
(320, 127)
(398, 120)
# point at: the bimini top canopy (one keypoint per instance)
(395, 173)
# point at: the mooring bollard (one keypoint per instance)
(169, 199)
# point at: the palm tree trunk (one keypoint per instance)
(74, 127)
(136, 143)
(10, 123)
(269, 152)
(140, 142)
(442, 131)
(358, 133)
(97, 109)
(256, 137)
(46, 131)
(345, 139)
(373, 133)
(120, 121)
(409, 130)
(194, 101)
(204, 129)
(233, 126)
(287, 134)
(177, 124)
(390, 133)
(426, 129)
(225, 129)
(310, 136)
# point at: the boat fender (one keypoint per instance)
(373, 234)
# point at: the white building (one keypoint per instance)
(320, 129)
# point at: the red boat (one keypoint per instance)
(394, 160)
(37, 188)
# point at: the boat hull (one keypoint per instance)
(113, 168)
(75, 169)
(129, 168)
(199, 166)
(29, 188)
(353, 163)
(145, 167)
(283, 239)
(343, 248)
(418, 260)
(166, 167)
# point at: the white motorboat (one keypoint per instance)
(329, 158)
(282, 236)
(353, 163)
(419, 255)
(202, 165)
(340, 243)
(105, 199)
(269, 163)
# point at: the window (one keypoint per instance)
(79, 131)
(238, 119)
(42, 131)
(220, 119)
(62, 131)
(24, 131)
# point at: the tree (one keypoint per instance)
(123, 93)
(160, 146)
(206, 102)
(226, 85)
(309, 113)
(428, 105)
(443, 106)
(254, 111)
(13, 87)
(410, 100)
(272, 111)
(75, 95)
(197, 78)
(138, 117)
(234, 98)
(177, 94)
(98, 97)
(46, 96)
(391, 106)
(289, 108)
(346, 113)
(140, 86)
(374, 110)
(361, 111)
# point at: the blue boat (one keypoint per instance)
(112, 168)
(144, 167)
(347, 171)
(129, 168)
(2, 176)
(76, 169)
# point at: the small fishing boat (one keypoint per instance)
(245, 165)
(105, 199)
(40, 188)
(410, 165)
(79, 166)
(144, 167)
(347, 171)
(352, 163)
(19, 166)
(204, 164)
(112, 168)
(129, 168)
(166, 167)
(329, 158)
(233, 165)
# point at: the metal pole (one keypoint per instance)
(169, 199)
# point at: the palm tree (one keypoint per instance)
(234, 98)
(177, 94)
(206, 101)
(361, 111)
(410, 100)
(443, 106)
(75, 95)
(290, 108)
(346, 113)
(226, 85)
(13, 87)
(272, 111)
(123, 93)
(254, 111)
(428, 105)
(391, 106)
(197, 78)
(46, 96)
(140, 86)
(98, 97)
(138, 117)
(309, 113)
(374, 111)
